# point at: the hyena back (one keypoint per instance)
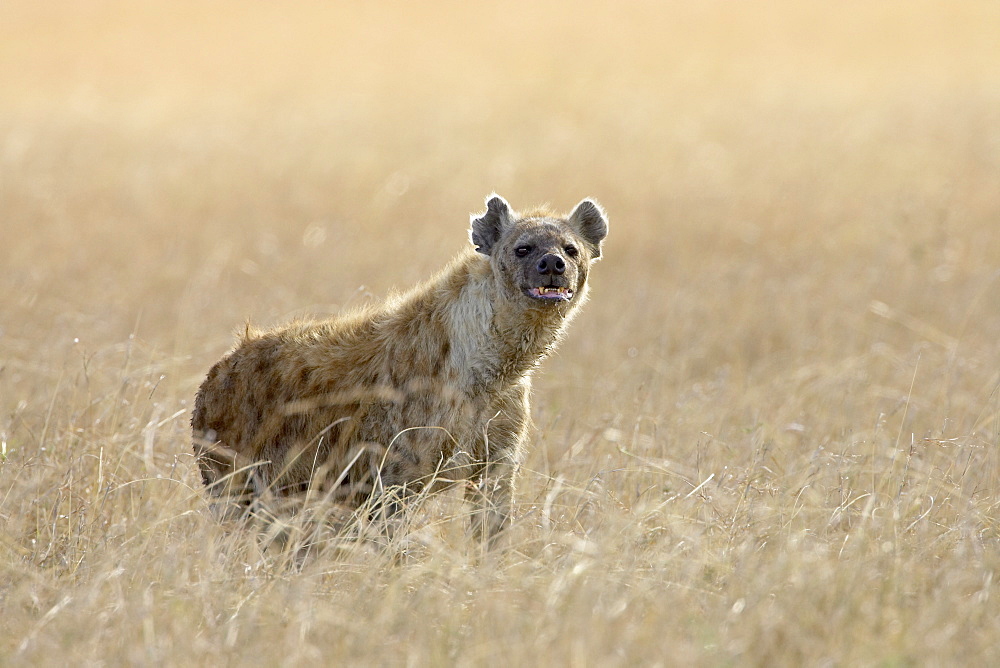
(426, 389)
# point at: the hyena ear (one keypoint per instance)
(487, 227)
(591, 223)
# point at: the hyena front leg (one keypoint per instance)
(502, 443)
(492, 499)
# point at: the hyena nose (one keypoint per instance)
(551, 264)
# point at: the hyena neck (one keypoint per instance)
(495, 340)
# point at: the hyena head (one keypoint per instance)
(540, 258)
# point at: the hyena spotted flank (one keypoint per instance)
(426, 389)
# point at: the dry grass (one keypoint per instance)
(771, 439)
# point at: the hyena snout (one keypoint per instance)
(550, 278)
(551, 264)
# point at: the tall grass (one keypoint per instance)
(770, 439)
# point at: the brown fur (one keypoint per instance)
(427, 388)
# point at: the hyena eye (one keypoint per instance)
(571, 251)
(521, 251)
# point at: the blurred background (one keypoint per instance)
(788, 183)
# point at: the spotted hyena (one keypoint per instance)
(425, 389)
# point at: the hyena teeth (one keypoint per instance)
(554, 291)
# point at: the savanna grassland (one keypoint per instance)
(771, 438)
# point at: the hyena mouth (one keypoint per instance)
(553, 293)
